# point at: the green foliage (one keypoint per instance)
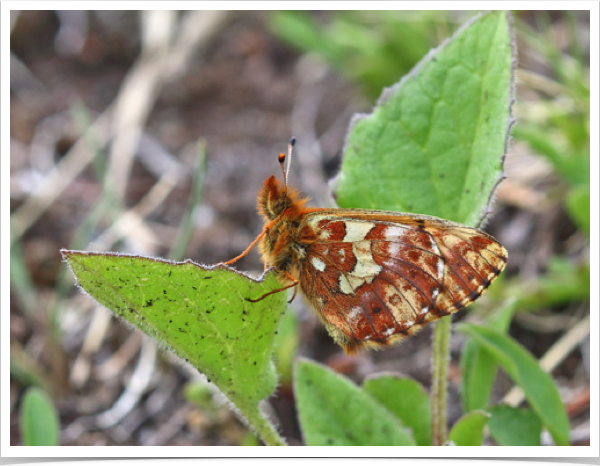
(199, 313)
(286, 343)
(521, 366)
(334, 411)
(478, 365)
(406, 399)
(38, 419)
(513, 426)
(468, 430)
(433, 145)
(372, 48)
(560, 128)
(564, 282)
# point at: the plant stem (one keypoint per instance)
(263, 428)
(439, 380)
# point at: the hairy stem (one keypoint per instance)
(263, 428)
(439, 380)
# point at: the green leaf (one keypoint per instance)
(406, 399)
(478, 365)
(334, 411)
(38, 419)
(522, 367)
(578, 205)
(468, 430)
(514, 427)
(434, 142)
(287, 341)
(199, 313)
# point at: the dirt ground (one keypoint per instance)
(88, 81)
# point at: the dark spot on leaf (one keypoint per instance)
(442, 176)
(164, 291)
(195, 288)
(208, 312)
(207, 278)
(255, 363)
(208, 380)
(170, 273)
(245, 313)
(148, 303)
(182, 330)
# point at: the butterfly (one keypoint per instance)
(373, 277)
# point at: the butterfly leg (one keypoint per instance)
(295, 282)
(258, 238)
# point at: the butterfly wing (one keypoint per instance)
(376, 277)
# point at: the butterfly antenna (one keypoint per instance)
(291, 145)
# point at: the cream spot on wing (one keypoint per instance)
(435, 294)
(434, 246)
(394, 234)
(393, 249)
(388, 332)
(345, 286)
(440, 268)
(356, 231)
(365, 267)
(365, 270)
(424, 310)
(354, 314)
(318, 263)
(324, 235)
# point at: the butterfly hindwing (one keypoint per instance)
(375, 277)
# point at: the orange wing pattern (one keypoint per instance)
(377, 277)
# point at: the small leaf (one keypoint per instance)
(199, 313)
(433, 144)
(334, 411)
(468, 430)
(522, 367)
(478, 365)
(514, 427)
(406, 399)
(38, 420)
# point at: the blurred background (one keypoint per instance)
(151, 133)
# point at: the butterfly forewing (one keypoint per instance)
(376, 277)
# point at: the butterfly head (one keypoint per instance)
(276, 198)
